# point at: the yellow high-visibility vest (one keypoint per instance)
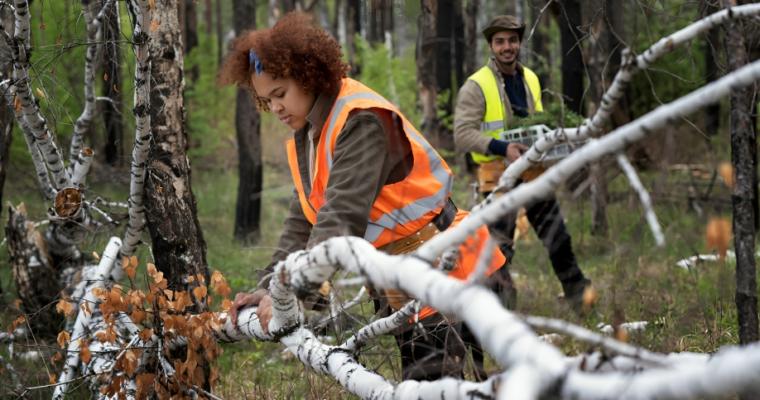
(495, 119)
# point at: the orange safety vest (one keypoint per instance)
(403, 208)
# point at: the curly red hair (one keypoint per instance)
(294, 47)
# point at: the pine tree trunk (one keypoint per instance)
(247, 124)
(471, 38)
(595, 63)
(426, 70)
(572, 61)
(114, 146)
(178, 245)
(354, 27)
(743, 147)
(36, 280)
(208, 16)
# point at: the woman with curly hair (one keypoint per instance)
(360, 168)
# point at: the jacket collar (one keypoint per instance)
(320, 112)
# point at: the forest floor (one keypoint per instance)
(686, 309)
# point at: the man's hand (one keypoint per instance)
(258, 298)
(515, 150)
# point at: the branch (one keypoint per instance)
(82, 323)
(633, 178)
(611, 143)
(32, 117)
(142, 17)
(92, 61)
(380, 327)
(39, 164)
(629, 67)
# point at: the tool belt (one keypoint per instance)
(440, 223)
(490, 172)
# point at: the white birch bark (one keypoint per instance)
(39, 164)
(82, 167)
(82, 324)
(35, 121)
(629, 67)
(93, 55)
(646, 201)
(142, 17)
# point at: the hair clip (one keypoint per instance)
(253, 59)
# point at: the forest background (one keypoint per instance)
(417, 54)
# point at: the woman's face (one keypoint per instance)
(286, 100)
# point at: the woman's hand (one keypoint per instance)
(515, 150)
(258, 298)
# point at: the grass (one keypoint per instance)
(687, 310)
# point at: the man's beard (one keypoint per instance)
(514, 60)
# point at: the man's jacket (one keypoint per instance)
(483, 109)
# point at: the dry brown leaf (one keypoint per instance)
(39, 92)
(56, 357)
(152, 270)
(85, 354)
(718, 234)
(226, 304)
(96, 256)
(98, 292)
(64, 307)
(53, 379)
(105, 76)
(726, 171)
(190, 279)
(200, 278)
(115, 89)
(159, 277)
(63, 338)
(58, 42)
(42, 25)
(20, 320)
(154, 25)
(133, 261)
(200, 292)
(589, 297)
(621, 335)
(145, 335)
(130, 272)
(152, 6)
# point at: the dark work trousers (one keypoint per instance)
(443, 349)
(546, 219)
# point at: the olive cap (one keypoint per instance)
(504, 23)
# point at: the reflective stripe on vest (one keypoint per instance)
(401, 208)
(495, 119)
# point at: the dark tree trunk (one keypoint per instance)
(354, 20)
(743, 147)
(208, 16)
(597, 57)
(572, 61)
(471, 38)
(247, 123)
(114, 146)
(190, 40)
(712, 72)
(458, 44)
(380, 20)
(426, 70)
(36, 280)
(444, 25)
(170, 206)
(615, 33)
(219, 32)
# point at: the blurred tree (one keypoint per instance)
(743, 149)
(354, 26)
(471, 38)
(208, 16)
(597, 58)
(219, 32)
(572, 56)
(170, 205)
(190, 33)
(112, 115)
(380, 20)
(538, 43)
(712, 72)
(426, 69)
(247, 123)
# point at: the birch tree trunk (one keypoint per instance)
(426, 69)
(572, 61)
(114, 147)
(743, 147)
(170, 206)
(247, 124)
